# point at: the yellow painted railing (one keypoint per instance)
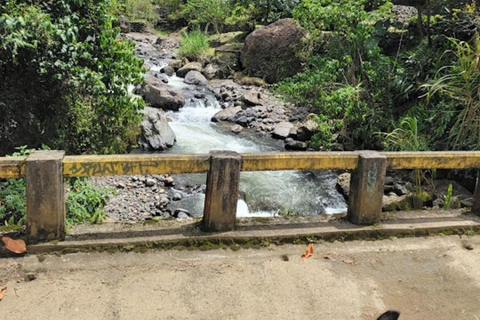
(223, 168)
(86, 166)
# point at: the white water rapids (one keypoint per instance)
(266, 193)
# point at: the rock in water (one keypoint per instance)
(156, 132)
(195, 78)
(271, 53)
(159, 95)
(227, 114)
(191, 66)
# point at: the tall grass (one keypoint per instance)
(193, 45)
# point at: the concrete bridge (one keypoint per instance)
(45, 171)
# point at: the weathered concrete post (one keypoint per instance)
(476, 196)
(366, 188)
(221, 196)
(45, 196)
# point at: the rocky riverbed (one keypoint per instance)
(250, 109)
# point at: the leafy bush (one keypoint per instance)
(193, 45)
(208, 12)
(348, 84)
(65, 74)
(459, 83)
(85, 202)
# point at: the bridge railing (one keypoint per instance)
(45, 171)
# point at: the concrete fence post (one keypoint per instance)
(221, 196)
(45, 196)
(476, 196)
(366, 188)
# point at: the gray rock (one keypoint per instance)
(252, 97)
(138, 26)
(236, 129)
(400, 189)
(156, 133)
(182, 214)
(191, 66)
(159, 95)
(162, 76)
(177, 196)
(243, 121)
(296, 145)
(150, 182)
(282, 130)
(168, 70)
(169, 182)
(125, 25)
(162, 202)
(195, 78)
(227, 114)
(343, 184)
(438, 203)
(304, 131)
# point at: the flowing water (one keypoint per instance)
(265, 193)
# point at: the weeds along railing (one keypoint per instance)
(45, 171)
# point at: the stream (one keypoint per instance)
(263, 194)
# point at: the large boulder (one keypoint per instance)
(159, 95)
(191, 66)
(156, 132)
(271, 53)
(227, 114)
(195, 78)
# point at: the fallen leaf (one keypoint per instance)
(309, 252)
(3, 292)
(331, 256)
(16, 246)
(350, 261)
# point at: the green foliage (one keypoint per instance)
(208, 12)
(406, 137)
(140, 10)
(193, 45)
(65, 74)
(459, 84)
(350, 82)
(448, 197)
(85, 202)
(12, 202)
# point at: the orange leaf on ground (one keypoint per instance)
(309, 252)
(3, 292)
(16, 246)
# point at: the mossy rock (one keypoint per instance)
(138, 25)
(221, 39)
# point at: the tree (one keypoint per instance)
(64, 77)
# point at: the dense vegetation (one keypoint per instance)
(361, 85)
(64, 75)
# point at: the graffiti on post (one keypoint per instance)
(372, 179)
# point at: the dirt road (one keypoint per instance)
(425, 278)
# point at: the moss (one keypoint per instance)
(11, 228)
